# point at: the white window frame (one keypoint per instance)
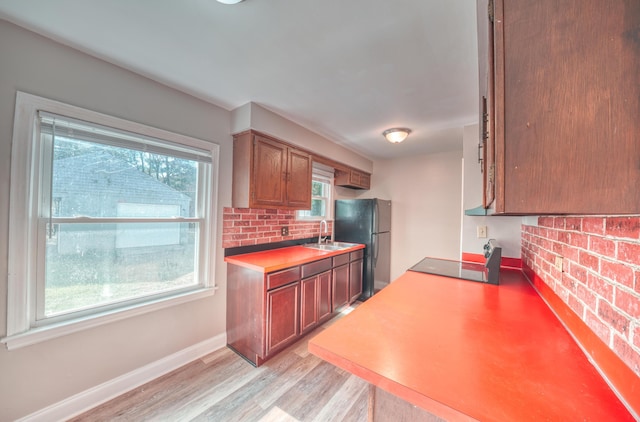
(22, 329)
(321, 173)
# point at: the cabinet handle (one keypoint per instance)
(484, 133)
(490, 11)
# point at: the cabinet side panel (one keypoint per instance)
(572, 92)
(245, 311)
(487, 140)
(496, 104)
(242, 145)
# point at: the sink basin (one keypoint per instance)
(329, 246)
(342, 245)
(323, 246)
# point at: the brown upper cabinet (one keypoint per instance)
(561, 82)
(268, 173)
(352, 178)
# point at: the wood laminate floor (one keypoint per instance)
(293, 386)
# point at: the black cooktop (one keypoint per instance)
(456, 269)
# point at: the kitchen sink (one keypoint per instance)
(329, 246)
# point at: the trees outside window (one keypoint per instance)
(321, 197)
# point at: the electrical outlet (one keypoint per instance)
(481, 231)
(558, 263)
(284, 230)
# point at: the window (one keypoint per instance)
(118, 217)
(321, 194)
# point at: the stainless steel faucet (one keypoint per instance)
(325, 229)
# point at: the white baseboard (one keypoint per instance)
(102, 393)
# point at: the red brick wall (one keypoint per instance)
(248, 226)
(600, 279)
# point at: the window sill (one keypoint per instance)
(40, 334)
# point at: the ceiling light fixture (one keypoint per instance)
(229, 1)
(396, 134)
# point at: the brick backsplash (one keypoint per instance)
(250, 226)
(600, 278)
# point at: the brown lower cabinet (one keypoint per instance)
(315, 298)
(347, 278)
(340, 276)
(282, 316)
(355, 276)
(267, 312)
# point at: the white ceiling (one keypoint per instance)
(346, 69)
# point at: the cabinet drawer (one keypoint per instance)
(357, 254)
(340, 259)
(282, 277)
(316, 267)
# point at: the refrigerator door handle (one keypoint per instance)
(376, 249)
(376, 216)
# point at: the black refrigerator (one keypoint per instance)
(367, 221)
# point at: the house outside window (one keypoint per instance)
(118, 217)
(321, 195)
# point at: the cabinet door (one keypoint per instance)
(308, 303)
(268, 177)
(340, 287)
(324, 296)
(354, 178)
(282, 316)
(567, 101)
(299, 173)
(365, 181)
(355, 280)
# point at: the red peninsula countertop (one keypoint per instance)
(464, 350)
(281, 258)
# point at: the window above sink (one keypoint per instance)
(321, 195)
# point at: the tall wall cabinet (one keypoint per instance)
(561, 84)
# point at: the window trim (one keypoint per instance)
(321, 173)
(25, 175)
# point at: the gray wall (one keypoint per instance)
(425, 192)
(37, 376)
(44, 374)
(504, 229)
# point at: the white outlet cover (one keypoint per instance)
(558, 263)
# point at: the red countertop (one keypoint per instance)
(281, 258)
(464, 350)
